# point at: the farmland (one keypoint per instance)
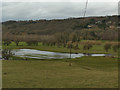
(97, 35)
(85, 72)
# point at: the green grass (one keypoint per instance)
(85, 72)
(95, 49)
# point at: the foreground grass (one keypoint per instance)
(85, 72)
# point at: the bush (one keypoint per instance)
(70, 44)
(93, 42)
(7, 43)
(107, 46)
(7, 54)
(87, 46)
(115, 47)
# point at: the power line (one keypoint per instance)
(85, 8)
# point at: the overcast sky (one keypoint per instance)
(55, 10)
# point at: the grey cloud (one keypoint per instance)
(104, 8)
(54, 10)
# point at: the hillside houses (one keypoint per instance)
(98, 22)
(91, 26)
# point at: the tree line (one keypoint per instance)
(65, 39)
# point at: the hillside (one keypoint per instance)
(44, 27)
(89, 28)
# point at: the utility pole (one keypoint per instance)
(70, 64)
(85, 8)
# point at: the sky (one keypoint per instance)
(55, 9)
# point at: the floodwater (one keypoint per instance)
(37, 54)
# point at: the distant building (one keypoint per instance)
(91, 26)
(109, 23)
(112, 27)
(98, 22)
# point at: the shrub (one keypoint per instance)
(93, 42)
(115, 47)
(87, 46)
(7, 43)
(7, 54)
(70, 44)
(107, 46)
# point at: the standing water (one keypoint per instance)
(31, 53)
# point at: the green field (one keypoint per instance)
(97, 49)
(71, 36)
(85, 72)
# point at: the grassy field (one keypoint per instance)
(95, 49)
(85, 72)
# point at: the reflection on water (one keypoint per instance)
(31, 53)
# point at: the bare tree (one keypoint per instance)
(6, 38)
